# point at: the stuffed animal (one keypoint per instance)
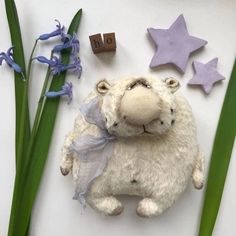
(134, 136)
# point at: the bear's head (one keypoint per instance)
(138, 106)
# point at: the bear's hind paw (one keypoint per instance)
(148, 208)
(108, 205)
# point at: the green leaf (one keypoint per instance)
(220, 159)
(38, 154)
(22, 132)
(21, 102)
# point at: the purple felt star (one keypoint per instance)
(174, 45)
(206, 75)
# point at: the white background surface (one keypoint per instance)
(55, 212)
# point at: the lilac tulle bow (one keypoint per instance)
(93, 151)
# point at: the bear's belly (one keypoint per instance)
(146, 168)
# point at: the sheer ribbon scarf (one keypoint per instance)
(93, 151)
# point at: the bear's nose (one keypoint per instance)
(140, 105)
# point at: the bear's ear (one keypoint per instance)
(172, 84)
(102, 87)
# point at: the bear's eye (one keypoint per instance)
(132, 85)
(145, 83)
(115, 124)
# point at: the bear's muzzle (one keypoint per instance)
(140, 106)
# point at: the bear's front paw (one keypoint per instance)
(64, 170)
(148, 208)
(66, 165)
(198, 181)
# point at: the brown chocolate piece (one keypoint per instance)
(109, 41)
(96, 43)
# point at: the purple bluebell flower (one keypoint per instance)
(69, 42)
(8, 57)
(66, 90)
(59, 31)
(57, 66)
(51, 62)
(75, 67)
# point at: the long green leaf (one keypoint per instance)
(22, 128)
(34, 171)
(222, 150)
(22, 135)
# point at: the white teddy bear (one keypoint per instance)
(135, 136)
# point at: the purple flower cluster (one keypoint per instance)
(69, 42)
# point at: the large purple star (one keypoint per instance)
(174, 45)
(206, 75)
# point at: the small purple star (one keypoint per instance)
(206, 75)
(174, 45)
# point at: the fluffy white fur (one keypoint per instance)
(156, 165)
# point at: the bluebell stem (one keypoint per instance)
(66, 90)
(69, 42)
(75, 67)
(8, 57)
(59, 31)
